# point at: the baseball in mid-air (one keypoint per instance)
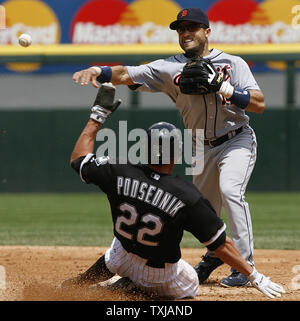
(25, 40)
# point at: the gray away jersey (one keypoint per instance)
(212, 112)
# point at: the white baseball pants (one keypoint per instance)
(177, 281)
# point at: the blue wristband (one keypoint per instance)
(106, 74)
(240, 98)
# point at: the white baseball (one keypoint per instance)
(25, 40)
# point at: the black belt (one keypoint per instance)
(157, 265)
(223, 139)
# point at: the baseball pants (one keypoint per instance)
(177, 280)
(223, 181)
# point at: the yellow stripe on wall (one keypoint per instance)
(70, 49)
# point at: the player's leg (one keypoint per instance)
(118, 260)
(101, 270)
(186, 284)
(236, 165)
(181, 282)
(98, 272)
(208, 181)
(175, 281)
(208, 184)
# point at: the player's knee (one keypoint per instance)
(194, 287)
(230, 191)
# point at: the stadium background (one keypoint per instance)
(47, 214)
(42, 201)
(38, 99)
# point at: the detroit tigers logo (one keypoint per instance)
(223, 71)
(184, 13)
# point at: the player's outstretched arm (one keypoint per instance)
(229, 253)
(86, 140)
(103, 107)
(117, 75)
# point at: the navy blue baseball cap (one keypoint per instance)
(190, 14)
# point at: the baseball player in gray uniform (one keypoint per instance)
(230, 143)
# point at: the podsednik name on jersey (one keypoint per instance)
(149, 194)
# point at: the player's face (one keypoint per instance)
(192, 37)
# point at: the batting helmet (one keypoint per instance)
(164, 143)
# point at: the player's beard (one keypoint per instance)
(195, 52)
(192, 53)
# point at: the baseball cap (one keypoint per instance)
(190, 14)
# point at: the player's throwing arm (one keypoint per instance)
(116, 75)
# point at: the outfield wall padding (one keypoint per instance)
(35, 148)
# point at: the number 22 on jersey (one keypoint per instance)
(157, 224)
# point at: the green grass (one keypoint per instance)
(275, 221)
(84, 219)
(55, 219)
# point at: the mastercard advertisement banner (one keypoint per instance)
(147, 21)
(33, 17)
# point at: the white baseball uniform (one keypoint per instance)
(176, 280)
(228, 166)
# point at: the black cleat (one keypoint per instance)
(206, 266)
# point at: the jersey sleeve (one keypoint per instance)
(148, 76)
(203, 222)
(242, 76)
(95, 170)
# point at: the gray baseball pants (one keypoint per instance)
(223, 181)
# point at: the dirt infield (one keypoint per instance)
(33, 272)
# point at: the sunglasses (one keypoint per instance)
(192, 27)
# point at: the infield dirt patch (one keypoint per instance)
(33, 273)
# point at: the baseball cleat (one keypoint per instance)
(235, 279)
(109, 281)
(123, 283)
(206, 266)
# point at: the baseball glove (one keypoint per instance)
(199, 77)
